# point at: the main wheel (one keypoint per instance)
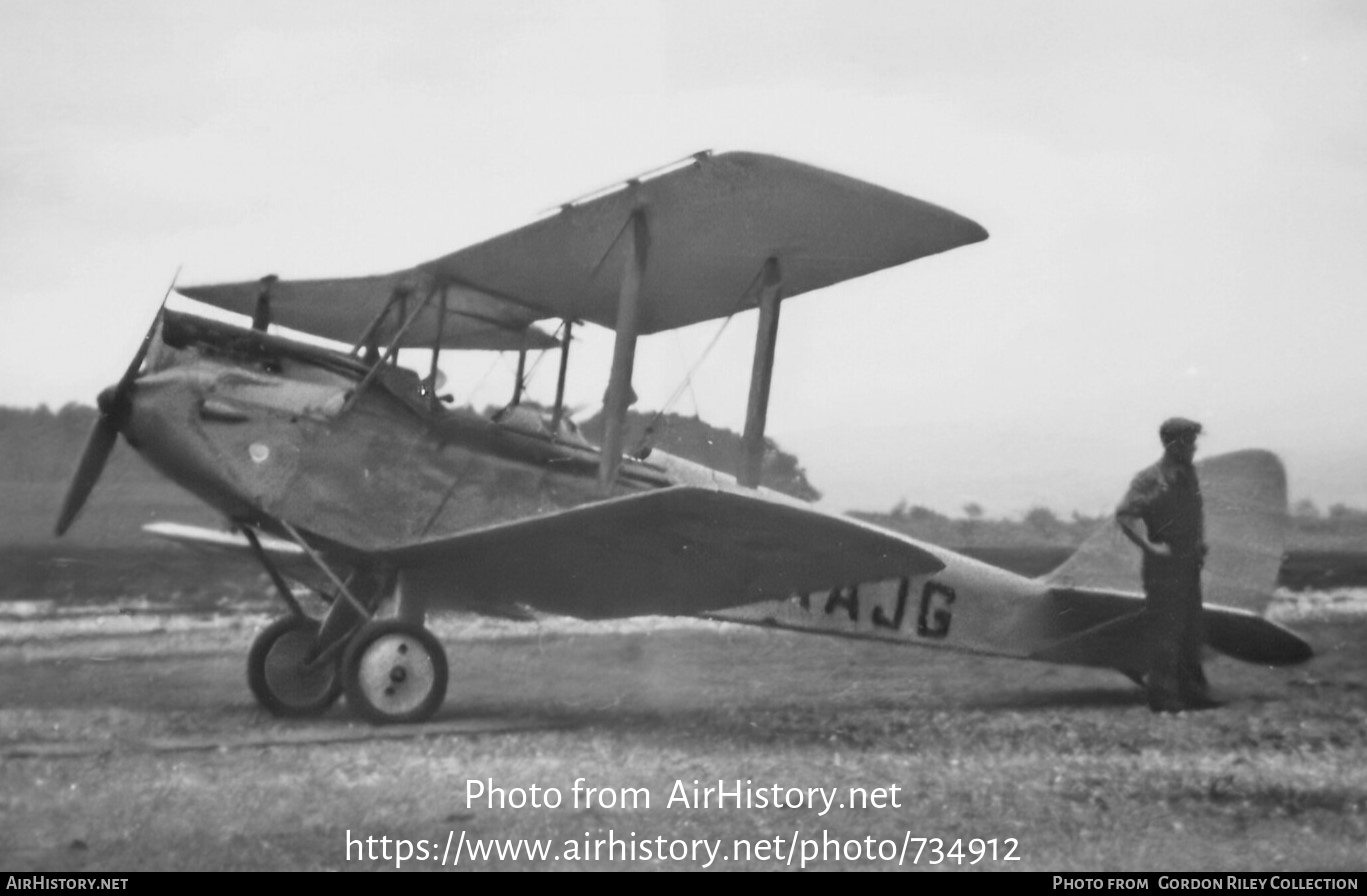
(282, 674)
(394, 671)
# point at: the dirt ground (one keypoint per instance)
(130, 742)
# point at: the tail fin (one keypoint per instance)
(1246, 519)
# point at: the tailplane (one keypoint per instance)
(1111, 630)
(1245, 520)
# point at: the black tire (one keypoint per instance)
(278, 676)
(394, 672)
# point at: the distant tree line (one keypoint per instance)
(38, 445)
(1039, 526)
(1340, 528)
(1307, 514)
(703, 443)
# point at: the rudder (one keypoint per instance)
(1244, 493)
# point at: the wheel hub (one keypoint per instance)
(394, 671)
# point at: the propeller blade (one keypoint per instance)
(141, 354)
(93, 458)
(115, 405)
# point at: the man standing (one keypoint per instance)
(1166, 499)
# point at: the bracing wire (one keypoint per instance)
(536, 362)
(479, 384)
(540, 356)
(687, 382)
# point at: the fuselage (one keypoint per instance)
(266, 429)
(361, 461)
(968, 605)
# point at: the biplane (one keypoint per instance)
(335, 458)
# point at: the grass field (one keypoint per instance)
(132, 743)
(129, 741)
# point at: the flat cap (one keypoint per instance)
(1177, 427)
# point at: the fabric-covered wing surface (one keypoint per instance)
(677, 551)
(712, 225)
(343, 308)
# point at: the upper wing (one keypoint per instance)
(712, 226)
(676, 551)
(343, 309)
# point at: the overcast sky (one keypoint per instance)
(1176, 194)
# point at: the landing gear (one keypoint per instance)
(394, 671)
(285, 674)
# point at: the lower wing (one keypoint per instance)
(217, 540)
(675, 551)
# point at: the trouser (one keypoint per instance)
(1173, 603)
